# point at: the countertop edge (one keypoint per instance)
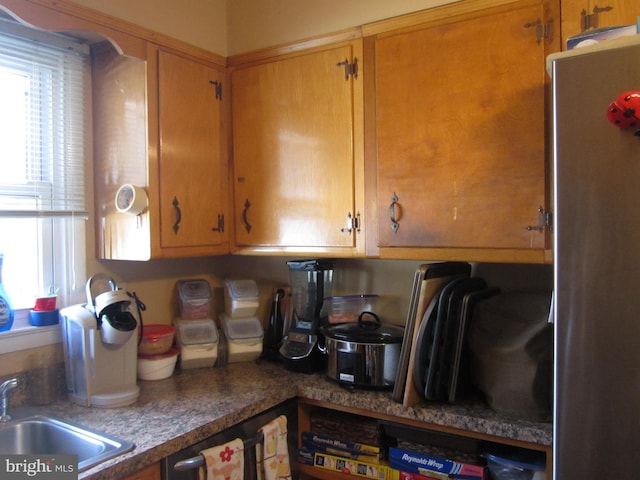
(193, 405)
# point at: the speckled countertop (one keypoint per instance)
(192, 405)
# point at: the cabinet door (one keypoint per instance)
(152, 472)
(580, 14)
(191, 171)
(296, 135)
(460, 119)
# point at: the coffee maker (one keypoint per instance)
(100, 344)
(302, 347)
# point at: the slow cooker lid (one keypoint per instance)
(368, 329)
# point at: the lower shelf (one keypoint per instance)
(309, 472)
(399, 427)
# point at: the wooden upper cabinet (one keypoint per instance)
(192, 173)
(159, 125)
(297, 152)
(581, 15)
(460, 148)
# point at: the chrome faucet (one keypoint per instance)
(4, 397)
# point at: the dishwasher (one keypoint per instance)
(188, 464)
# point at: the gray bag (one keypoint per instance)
(511, 354)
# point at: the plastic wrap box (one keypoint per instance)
(314, 442)
(352, 467)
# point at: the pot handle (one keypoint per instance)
(369, 321)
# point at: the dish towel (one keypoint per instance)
(272, 456)
(225, 462)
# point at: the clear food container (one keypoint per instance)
(195, 299)
(244, 338)
(198, 341)
(347, 308)
(512, 463)
(241, 298)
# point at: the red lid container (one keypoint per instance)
(156, 339)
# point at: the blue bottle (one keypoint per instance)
(6, 310)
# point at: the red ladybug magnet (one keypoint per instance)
(624, 112)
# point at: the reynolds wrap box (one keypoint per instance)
(430, 466)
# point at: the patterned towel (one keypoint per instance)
(273, 455)
(225, 462)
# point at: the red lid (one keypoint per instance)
(154, 332)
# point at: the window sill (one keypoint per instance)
(23, 336)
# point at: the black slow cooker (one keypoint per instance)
(363, 354)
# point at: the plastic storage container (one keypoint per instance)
(157, 367)
(241, 298)
(347, 308)
(198, 341)
(195, 299)
(156, 339)
(244, 338)
(512, 463)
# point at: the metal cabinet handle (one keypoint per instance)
(176, 226)
(247, 225)
(189, 464)
(393, 218)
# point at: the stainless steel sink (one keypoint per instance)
(39, 434)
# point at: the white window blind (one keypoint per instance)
(42, 94)
(45, 88)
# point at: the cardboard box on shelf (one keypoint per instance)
(599, 35)
(352, 467)
(342, 448)
(428, 465)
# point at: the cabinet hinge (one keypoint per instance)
(349, 68)
(220, 227)
(218, 86)
(545, 220)
(591, 20)
(353, 223)
(543, 30)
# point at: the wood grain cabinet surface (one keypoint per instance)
(297, 152)
(159, 125)
(581, 15)
(192, 164)
(460, 146)
(152, 472)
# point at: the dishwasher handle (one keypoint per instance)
(197, 462)
(189, 464)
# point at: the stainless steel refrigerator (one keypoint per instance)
(596, 263)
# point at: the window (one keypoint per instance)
(44, 85)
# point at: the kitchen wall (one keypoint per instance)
(255, 24)
(229, 27)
